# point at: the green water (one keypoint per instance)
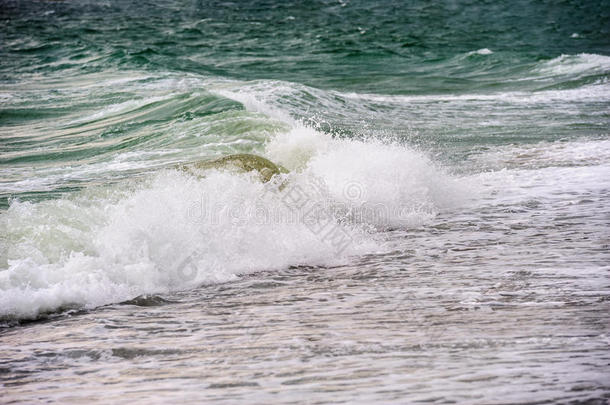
(386, 47)
(68, 67)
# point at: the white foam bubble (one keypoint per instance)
(388, 184)
(172, 233)
(482, 51)
(294, 149)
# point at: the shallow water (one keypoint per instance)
(442, 235)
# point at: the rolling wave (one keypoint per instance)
(115, 220)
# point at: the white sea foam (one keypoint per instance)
(176, 231)
(564, 185)
(391, 185)
(545, 154)
(548, 171)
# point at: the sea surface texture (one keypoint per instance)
(439, 232)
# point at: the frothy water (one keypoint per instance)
(439, 234)
(175, 231)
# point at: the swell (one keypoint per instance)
(68, 134)
(111, 126)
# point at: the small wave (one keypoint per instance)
(575, 64)
(115, 109)
(257, 97)
(286, 102)
(482, 51)
(598, 91)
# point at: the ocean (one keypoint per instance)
(437, 228)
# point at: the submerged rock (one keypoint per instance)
(242, 162)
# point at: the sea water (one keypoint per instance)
(441, 234)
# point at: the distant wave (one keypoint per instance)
(575, 64)
(594, 92)
(482, 51)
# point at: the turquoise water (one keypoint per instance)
(84, 82)
(441, 233)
